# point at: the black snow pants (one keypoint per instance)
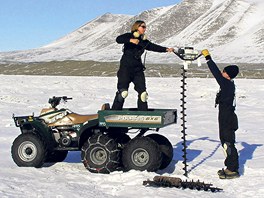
(126, 75)
(228, 124)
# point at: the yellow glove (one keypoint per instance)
(205, 52)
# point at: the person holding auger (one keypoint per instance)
(228, 123)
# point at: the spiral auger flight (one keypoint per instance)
(183, 118)
(167, 181)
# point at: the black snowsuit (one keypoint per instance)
(132, 70)
(227, 118)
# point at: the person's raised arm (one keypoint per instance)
(213, 67)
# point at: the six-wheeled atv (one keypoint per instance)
(103, 138)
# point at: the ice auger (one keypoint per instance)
(187, 54)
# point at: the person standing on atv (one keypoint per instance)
(131, 67)
(227, 118)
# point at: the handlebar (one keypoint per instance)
(188, 53)
(55, 101)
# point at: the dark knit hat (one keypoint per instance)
(232, 71)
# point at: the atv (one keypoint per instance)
(103, 138)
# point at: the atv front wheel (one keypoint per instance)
(100, 154)
(142, 153)
(165, 148)
(28, 150)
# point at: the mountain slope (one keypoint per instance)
(233, 30)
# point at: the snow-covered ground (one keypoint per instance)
(23, 95)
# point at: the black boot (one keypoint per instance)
(118, 102)
(227, 174)
(142, 106)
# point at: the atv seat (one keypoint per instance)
(77, 118)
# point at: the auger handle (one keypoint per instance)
(187, 56)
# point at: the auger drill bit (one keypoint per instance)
(184, 121)
(167, 181)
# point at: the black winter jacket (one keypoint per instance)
(226, 95)
(131, 58)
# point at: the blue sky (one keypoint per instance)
(27, 24)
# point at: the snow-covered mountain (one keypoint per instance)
(233, 30)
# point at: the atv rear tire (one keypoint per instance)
(100, 154)
(165, 148)
(28, 150)
(142, 153)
